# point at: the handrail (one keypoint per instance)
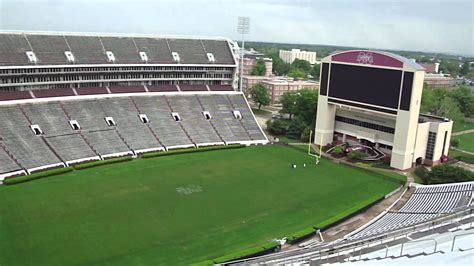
(342, 246)
(454, 239)
(421, 240)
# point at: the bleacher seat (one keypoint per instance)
(13, 48)
(53, 93)
(49, 49)
(30, 150)
(156, 49)
(14, 95)
(59, 142)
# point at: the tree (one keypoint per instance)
(315, 71)
(306, 104)
(259, 95)
(279, 67)
(454, 143)
(277, 126)
(259, 69)
(464, 69)
(295, 128)
(302, 65)
(465, 99)
(306, 134)
(297, 73)
(439, 102)
(448, 174)
(288, 103)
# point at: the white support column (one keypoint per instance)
(324, 131)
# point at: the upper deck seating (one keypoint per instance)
(49, 49)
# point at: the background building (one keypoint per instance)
(430, 67)
(249, 63)
(290, 56)
(434, 81)
(277, 86)
(374, 98)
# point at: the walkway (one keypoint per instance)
(462, 132)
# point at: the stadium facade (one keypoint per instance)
(67, 98)
(374, 97)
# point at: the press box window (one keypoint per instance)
(110, 121)
(176, 116)
(207, 115)
(237, 114)
(144, 118)
(74, 125)
(36, 130)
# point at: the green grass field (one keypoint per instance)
(466, 142)
(175, 209)
(462, 125)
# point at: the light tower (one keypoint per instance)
(243, 27)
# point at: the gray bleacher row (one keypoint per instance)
(447, 188)
(49, 49)
(61, 143)
(427, 202)
(7, 164)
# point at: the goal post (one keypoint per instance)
(317, 156)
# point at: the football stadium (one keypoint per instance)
(139, 150)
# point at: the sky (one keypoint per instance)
(445, 26)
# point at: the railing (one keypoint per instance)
(421, 240)
(456, 236)
(325, 252)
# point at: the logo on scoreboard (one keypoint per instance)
(365, 58)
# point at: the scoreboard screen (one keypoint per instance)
(367, 85)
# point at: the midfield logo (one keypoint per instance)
(365, 58)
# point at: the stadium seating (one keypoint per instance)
(7, 164)
(13, 48)
(65, 142)
(250, 125)
(31, 151)
(426, 203)
(381, 243)
(135, 133)
(190, 51)
(49, 49)
(170, 132)
(15, 95)
(162, 88)
(127, 89)
(204, 119)
(193, 121)
(220, 50)
(157, 50)
(53, 93)
(228, 127)
(184, 87)
(98, 134)
(123, 48)
(87, 49)
(220, 88)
